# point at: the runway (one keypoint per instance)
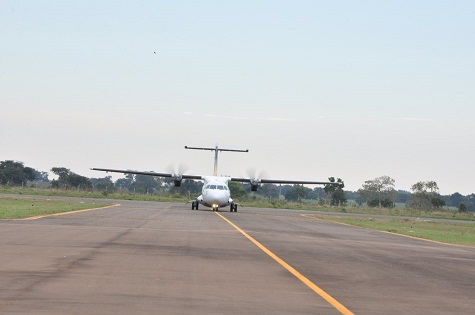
(163, 258)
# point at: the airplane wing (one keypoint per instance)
(279, 181)
(174, 176)
(255, 182)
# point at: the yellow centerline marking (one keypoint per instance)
(63, 213)
(327, 297)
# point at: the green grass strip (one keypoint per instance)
(460, 233)
(12, 208)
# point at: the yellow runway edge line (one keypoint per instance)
(342, 309)
(63, 213)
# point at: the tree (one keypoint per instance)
(316, 193)
(335, 192)
(471, 202)
(377, 190)
(284, 189)
(193, 187)
(15, 173)
(338, 197)
(423, 193)
(237, 190)
(437, 202)
(103, 184)
(386, 203)
(78, 181)
(188, 188)
(67, 179)
(269, 190)
(144, 184)
(297, 193)
(462, 208)
(41, 176)
(125, 183)
(456, 199)
(402, 196)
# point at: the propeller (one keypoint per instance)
(252, 172)
(177, 172)
(255, 177)
(177, 169)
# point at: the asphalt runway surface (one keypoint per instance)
(163, 258)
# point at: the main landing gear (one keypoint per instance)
(194, 205)
(233, 207)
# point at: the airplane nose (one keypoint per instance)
(217, 197)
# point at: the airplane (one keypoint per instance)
(215, 192)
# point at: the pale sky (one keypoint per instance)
(350, 89)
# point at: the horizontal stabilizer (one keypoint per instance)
(215, 149)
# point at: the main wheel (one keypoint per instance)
(235, 208)
(194, 205)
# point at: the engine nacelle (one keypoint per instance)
(177, 179)
(254, 184)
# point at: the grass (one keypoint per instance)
(460, 233)
(405, 212)
(12, 208)
(121, 195)
(246, 202)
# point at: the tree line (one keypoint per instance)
(378, 192)
(381, 192)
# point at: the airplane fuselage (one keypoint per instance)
(215, 193)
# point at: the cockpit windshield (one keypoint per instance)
(216, 187)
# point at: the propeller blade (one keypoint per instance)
(179, 169)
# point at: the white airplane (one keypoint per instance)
(216, 193)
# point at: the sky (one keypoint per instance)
(349, 89)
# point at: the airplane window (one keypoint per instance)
(212, 186)
(207, 186)
(221, 187)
